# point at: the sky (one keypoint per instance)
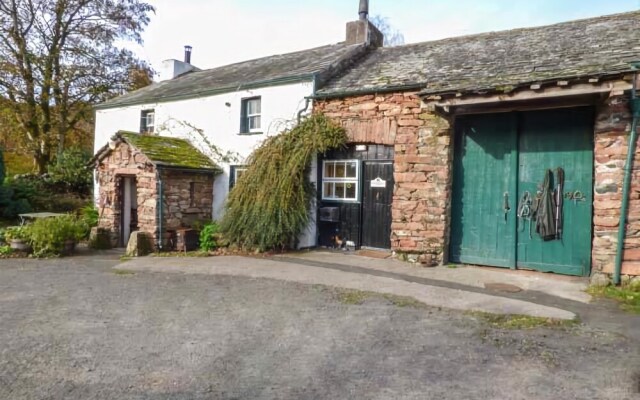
(227, 31)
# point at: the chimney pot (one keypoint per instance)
(364, 10)
(187, 54)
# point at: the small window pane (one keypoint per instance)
(351, 191)
(352, 170)
(329, 170)
(340, 170)
(340, 190)
(328, 190)
(254, 106)
(254, 122)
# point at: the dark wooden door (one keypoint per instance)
(377, 195)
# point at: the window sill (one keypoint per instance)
(249, 133)
(340, 200)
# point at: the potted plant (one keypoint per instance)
(56, 236)
(18, 238)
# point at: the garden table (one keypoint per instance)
(25, 217)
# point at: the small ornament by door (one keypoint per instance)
(378, 183)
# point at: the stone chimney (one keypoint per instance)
(362, 30)
(173, 68)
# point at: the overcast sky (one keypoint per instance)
(226, 31)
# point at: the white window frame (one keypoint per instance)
(235, 173)
(334, 180)
(148, 128)
(236, 169)
(248, 116)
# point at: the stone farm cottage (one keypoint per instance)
(456, 143)
(221, 114)
(504, 149)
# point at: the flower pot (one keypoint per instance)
(19, 245)
(69, 247)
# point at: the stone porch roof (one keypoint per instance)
(163, 151)
(498, 61)
(321, 63)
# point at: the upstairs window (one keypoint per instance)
(250, 118)
(147, 121)
(340, 180)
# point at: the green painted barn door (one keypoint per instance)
(547, 140)
(483, 225)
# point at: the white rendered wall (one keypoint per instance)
(219, 119)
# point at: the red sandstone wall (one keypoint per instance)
(126, 160)
(613, 123)
(422, 167)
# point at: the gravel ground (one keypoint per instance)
(76, 329)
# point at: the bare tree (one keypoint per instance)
(58, 58)
(392, 36)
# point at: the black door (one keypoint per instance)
(377, 194)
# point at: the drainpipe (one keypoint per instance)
(626, 186)
(159, 207)
(308, 99)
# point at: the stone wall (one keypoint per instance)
(422, 172)
(187, 196)
(613, 123)
(422, 167)
(126, 161)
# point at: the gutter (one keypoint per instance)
(634, 104)
(207, 93)
(363, 92)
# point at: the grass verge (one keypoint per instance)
(521, 322)
(168, 254)
(358, 297)
(628, 297)
(123, 272)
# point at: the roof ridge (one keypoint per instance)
(513, 30)
(267, 57)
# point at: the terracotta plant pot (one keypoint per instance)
(19, 245)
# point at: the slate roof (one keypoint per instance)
(163, 151)
(498, 60)
(267, 71)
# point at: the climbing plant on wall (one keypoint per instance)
(269, 205)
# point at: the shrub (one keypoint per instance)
(209, 237)
(269, 206)
(70, 169)
(5, 250)
(90, 215)
(15, 208)
(19, 195)
(2, 168)
(17, 233)
(48, 235)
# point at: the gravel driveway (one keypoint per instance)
(75, 329)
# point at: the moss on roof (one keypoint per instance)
(169, 152)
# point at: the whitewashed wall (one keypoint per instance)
(221, 125)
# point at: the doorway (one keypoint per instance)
(129, 208)
(501, 160)
(377, 195)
